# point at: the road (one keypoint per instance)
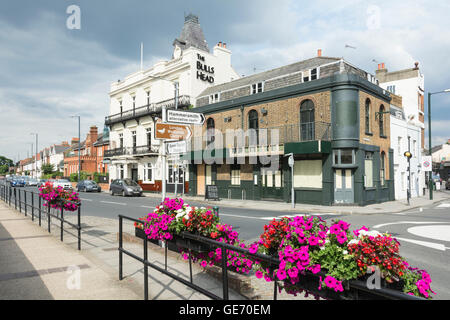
(424, 233)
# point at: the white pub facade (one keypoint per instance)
(136, 103)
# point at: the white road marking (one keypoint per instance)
(441, 232)
(432, 245)
(121, 204)
(147, 207)
(444, 205)
(277, 218)
(403, 222)
(85, 199)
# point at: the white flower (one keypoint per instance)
(345, 252)
(354, 241)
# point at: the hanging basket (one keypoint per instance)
(194, 245)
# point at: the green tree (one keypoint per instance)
(47, 168)
(5, 163)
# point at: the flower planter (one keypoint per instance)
(193, 245)
(141, 234)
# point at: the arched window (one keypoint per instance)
(383, 168)
(253, 124)
(210, 128)
(381, 115)
(307, 121)
(367, 116)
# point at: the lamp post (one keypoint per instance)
(430, 183)
(164, 120)
(79, 146)
(35, 159)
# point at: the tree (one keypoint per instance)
(48, 168)
(5, 163)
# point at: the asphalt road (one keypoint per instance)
(424, 233)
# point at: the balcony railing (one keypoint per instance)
(151, 109)
(132, 151)
(268, 140)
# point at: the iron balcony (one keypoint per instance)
(132, 151)
(152, 109)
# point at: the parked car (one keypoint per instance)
(18, 182)
(125, 187)
(88, 186)
(63, 183)
(32, 182)
(41, 182)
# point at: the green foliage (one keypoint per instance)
(83, 176)
(4, 169)
(338, 263)
(47, 169)
(6, 162)
(97, 175)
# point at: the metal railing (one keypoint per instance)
(263, 139)
(150, 109)
(354, 289)
(132, 151)
(25, 201)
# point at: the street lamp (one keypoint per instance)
(35, 159)
(79, 146)
(164, 120)
(430, 184)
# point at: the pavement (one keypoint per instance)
(36, 265)
(385, 207)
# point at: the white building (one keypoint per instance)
(407, 126)
(136, 104)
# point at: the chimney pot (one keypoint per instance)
(220, 44)
(319, 52)
(224, 45)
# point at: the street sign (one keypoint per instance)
(185, 117)
(168, 131)
(427, 164)
(176, 147)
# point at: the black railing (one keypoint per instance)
(26, 201)
(132, 151)
(354, 289)
(150, 109)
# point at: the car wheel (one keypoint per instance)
(123, 193)
(111, 192)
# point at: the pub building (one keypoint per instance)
(331, 116)
(136, 104)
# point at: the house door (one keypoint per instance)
(271, 184)
(134, 175)
(201, 180)
(343, 186)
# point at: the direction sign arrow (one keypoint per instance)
(185, 117)
(176, 147)
(168, 131)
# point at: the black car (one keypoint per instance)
(88, 186)
(125, 187)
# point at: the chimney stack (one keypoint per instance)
(319, 52)
(220, 44)
(224, 45)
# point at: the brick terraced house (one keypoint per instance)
(330, 115)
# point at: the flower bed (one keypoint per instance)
(314, 258)
(59, 198)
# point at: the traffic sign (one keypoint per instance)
(168, 131)
(176, 116)
(176, 147)
(427, 164)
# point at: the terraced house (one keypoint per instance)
(331, 116)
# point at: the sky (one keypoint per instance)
(49, 72)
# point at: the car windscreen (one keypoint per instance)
(63, 180)
(90, 183)
(130, 183)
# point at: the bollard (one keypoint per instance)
(216, 211)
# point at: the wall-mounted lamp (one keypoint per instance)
(264, 111)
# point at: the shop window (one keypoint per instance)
(368, 170)
(308, 174)
(236, 176)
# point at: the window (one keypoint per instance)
(208, 175)
(121, 107)
(257, 88)
(381, 114)
(310, 75)
(314, 74)
(148, 98)
(307, 121)
(148, 172)
(344, 157)
(254, 125)
(236, 176)
(308, 174)
(367, 116)
(214, 98)
(368, 170)
(133, 133)
(121, 140)
(210, 131)
(382, 169)
(149, 137)
(134, 102)
(391, 89)
(121, 171)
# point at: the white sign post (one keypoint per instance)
(176, 147)
(175, 116)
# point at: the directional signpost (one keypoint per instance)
(176, 147)
(169, 131)
(184, 117)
